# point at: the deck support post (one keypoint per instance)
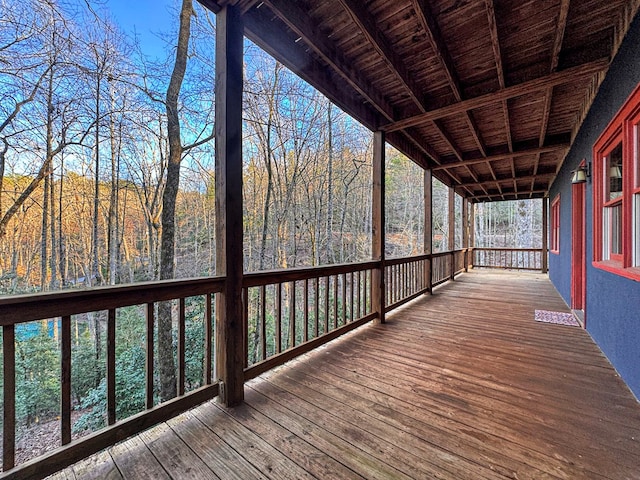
(451, 237)
(428, 228)
(472, 232)
(228, 171)
(465, 231)
(545, 234)
(377, 226)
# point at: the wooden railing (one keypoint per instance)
(406, 279)
(290, 312)
(286, 313)
(18, 310)
(509, 258)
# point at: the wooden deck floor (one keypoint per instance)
(461, 385)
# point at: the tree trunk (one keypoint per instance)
(167, 241)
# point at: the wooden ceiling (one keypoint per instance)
(489, 94)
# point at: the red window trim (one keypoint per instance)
(621, 129)
(555, 225)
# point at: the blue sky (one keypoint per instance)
(145, 18)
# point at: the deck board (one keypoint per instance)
(463, 384)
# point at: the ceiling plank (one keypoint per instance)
(557, 78)
(504, 156)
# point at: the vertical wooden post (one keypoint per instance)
(377, 226)
(472, 233)
(451, 238)
(428, 227)
(465, 232)
(545, 234)
(229, 241)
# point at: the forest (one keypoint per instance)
(107, 177)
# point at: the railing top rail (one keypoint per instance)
(269, 277)
(38, 306)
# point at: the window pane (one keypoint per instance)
(614, 173)
(636, 154)
(615, 213)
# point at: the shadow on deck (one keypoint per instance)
(461, 385)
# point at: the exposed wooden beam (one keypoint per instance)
(557, 78)
(497, 55)
(561, 25)
(497, 181)
(475, 132)
(292, 15)
(358, 12)
(434, 36)
(428, 21)
(504, 156)
(495, 41)
(509, 195)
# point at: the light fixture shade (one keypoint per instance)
(579, 175)
(615, 171)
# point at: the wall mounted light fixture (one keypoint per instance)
(581, 174)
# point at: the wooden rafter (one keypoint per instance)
(299, 22)
(498, 181)
(503, 156)
(432, 30)
(508, 195)
(363, 19)
(434, 36)
(569, 75)
(561, 25)
(299, 62)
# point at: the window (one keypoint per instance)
(616, 167)
(555, 225)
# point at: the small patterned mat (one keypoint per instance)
(560, 318)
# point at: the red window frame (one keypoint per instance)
(624, 130)
(555, 225)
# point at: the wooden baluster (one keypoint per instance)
(344, 298)
(352, 295)
(316, 307)
(9, 391)
(278, 310)
(111, 365)
(149, 355)
(208, 338)
(292, 315)
(181, 346)
(245, 325)
(65, 380)
(263, 321)
(326, 304)
(335, 301)
(359, 308)
(305, 308)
